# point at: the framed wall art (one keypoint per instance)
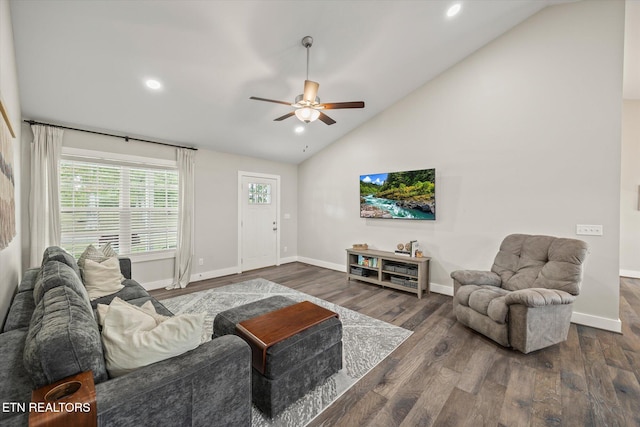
(7, 181)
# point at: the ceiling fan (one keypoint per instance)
(308, 107)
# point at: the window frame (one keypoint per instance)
(127, 160)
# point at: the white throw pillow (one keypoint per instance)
(102, 278)
(147, 307)
(133, 338)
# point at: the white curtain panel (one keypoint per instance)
(44, 200)
(184, 249)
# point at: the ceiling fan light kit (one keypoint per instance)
(307, 105)
(307, 114)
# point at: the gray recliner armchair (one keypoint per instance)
(526, 300)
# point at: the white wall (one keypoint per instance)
(216, 198)
(217, 208)
(630, 190)
(525, 138)
(10, 257)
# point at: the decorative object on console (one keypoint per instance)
(399, 195)
(415, 249)
(406, 249)
(360, 246)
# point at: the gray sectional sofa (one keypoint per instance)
(51, 333)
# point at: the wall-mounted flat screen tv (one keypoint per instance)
(399, 195)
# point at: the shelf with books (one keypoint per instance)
(387, 269)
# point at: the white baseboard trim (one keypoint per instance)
(630, 273)
(441, 289)
(597, 322)
(288, 260)
(158, 284)
(204, 275)
(323, 264)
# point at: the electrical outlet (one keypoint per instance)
(285, 249)
(588, 230)
(200, 261)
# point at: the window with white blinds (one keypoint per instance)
(134, 207)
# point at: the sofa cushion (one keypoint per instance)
(564, 269)
(133, 337)
(480, 299)
(55, 253)
(463, 294)
(55, 274)
(102, 278)
(498, 310)
(534, 254)
(63, 339)
(16, 383)
(485, 300)
(29, 280)
(20, 312)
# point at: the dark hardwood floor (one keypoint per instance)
(447, 375)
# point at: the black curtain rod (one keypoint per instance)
(126, 138)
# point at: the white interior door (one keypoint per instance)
(259, 221)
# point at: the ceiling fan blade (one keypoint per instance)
(286, 116)
(326, 119)
(270, 100)
(338, 105)
(310, 90)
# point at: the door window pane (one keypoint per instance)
(259, 194)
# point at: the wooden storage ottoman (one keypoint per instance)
(293, 366)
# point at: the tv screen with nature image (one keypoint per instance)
(399, 195)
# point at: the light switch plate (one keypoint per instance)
(588, 230)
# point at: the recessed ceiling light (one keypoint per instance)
(299, 129)
(153, 84)
(454, 10)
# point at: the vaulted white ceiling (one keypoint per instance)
(84, 64)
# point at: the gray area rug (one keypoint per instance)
(366, 342)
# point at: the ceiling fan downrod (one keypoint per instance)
(307, 42)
